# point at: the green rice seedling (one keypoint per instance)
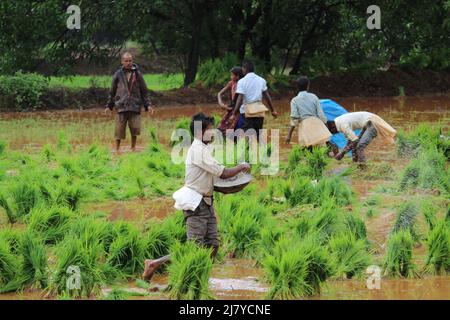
(51, 223)
(429, 211)
(334, 187)
(34, 267)
(158, 241)
(370, 212)
(117, 294)
(316, 160)
(410, 176)
(20, 199)
(373, 200)
(243, 235)
(297, 268)
(189, 272)
(63, 143)
(406, 219)
(286, 271)
(93, 230)
(269, 236)
(377, 171)
(2, 148)
(77, 259)
(355, 225)
(183, 124)
(48, 153)
(423, 136)
(295, 157)
(13, 237)
(63, 193)
(349, 256)
(398, 260)
(303, 192)
(326, 221)
(427, 171)
(438, 244)
(9, 267)
(126, 252)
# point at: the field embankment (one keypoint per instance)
(394, 82)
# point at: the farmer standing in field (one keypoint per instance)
(307, 114)
(128, 93)
(226, 124)
(251, 90)
(370, 125)
(196, 197)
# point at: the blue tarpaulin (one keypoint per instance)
(333, 110)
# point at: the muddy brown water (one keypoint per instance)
(240, 279)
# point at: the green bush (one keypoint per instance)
(22, 91)
(215, 72)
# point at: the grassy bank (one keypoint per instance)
(155, 82)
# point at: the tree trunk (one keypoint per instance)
(194, 46)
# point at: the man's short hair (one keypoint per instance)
(127, 53)
(205, 121)
(248, 66)
(302, 83)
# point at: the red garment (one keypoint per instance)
(225, 123)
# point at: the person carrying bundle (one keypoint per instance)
(196, 197)
(370, 125)
(307, 114)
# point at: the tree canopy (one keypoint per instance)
(296, 36)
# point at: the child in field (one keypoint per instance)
(227, 121)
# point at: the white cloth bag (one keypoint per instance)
(187, 199)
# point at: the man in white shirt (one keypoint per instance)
(251, 90)
(201, 170)
(370, 125)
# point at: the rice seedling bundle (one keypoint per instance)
(13, 238)
(34, 268)
(19, 199)
(189, 272)
(424, 136)
(334, 187)
(9, 266)
(438, 244)
(303, 192)
(349, 255)
(355, 225)
(77, 259)
(296, 268)
(243, 235)
(316, 161)
(295, 157)
(93, 230)
(398, 261)
(429, 211)
(126, 252)
(286, 272)
(158, 241)
(406, 219)
(427, 171)
(51, 223)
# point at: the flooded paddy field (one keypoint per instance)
(141, 195)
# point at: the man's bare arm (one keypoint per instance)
(231, 172)
(239, 102)
(269, 103)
